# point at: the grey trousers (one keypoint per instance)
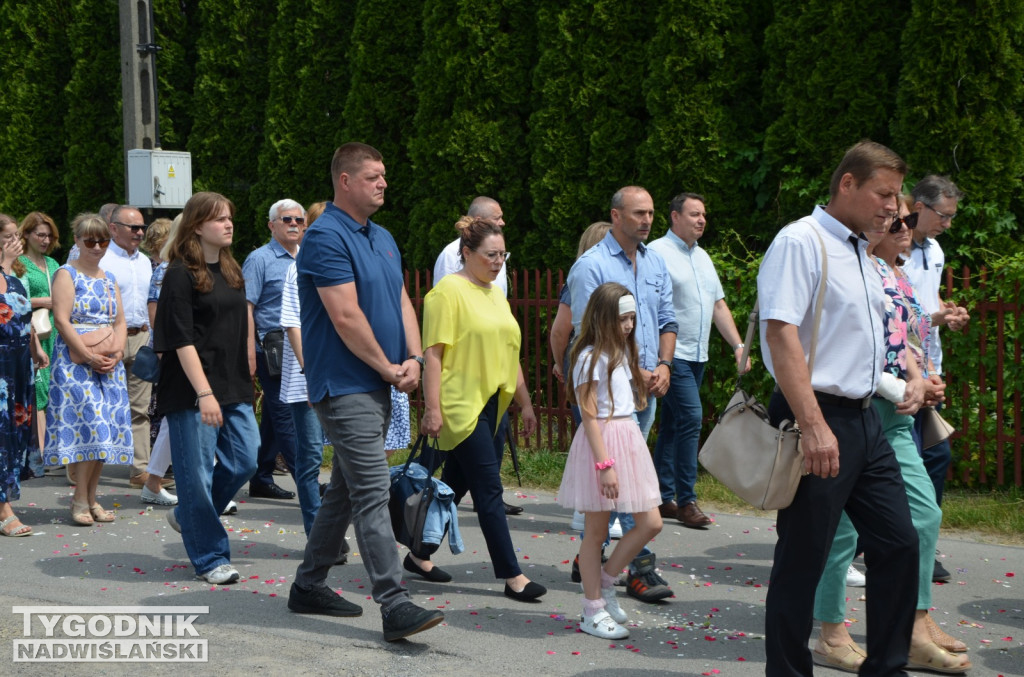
(358, 493)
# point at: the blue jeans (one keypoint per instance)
(358, 494)
(309, 456)
(675, 454)
(277, 433)
(204, 489)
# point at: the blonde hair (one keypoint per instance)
(600, 331)
(594, 233)
(156, 236)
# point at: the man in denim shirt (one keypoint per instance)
(264, 271)
(622, 257)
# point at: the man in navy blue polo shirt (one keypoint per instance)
(362, 337)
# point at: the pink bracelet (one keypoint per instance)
(604, 465)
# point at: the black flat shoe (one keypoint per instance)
(270, 491)
(529, 594)
(513, 509)
(435, 575)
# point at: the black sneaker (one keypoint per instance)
(646, 585)
(321, 600)
(939, 574)
(575, 575)
(406, 619)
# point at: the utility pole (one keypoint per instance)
(138, 74)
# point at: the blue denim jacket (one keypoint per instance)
(442, 513)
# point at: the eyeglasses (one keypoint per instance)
(942, 216)
(910, 220)
(297, 219)
(136, 227)
(91, 242)
(494, 256)
(44, 236)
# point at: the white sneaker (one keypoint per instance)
(615, 530)
(602, 625)
(578, 521)
(163, 498)
(230, 509)
(611, 605)
(221, 575)
(854, 578)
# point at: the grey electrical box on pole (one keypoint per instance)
(153, 178)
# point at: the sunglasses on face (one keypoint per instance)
(91, 242)
(910, 220)
(297, 219)
(136, 228)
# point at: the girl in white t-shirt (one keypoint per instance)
(609, 466)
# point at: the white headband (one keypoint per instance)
(627, 304)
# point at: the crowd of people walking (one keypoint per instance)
(320, 318)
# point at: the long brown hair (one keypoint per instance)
(600, 331)
(199, 209)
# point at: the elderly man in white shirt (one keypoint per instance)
(850, 464)
(132, 270)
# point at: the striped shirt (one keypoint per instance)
(293, 381)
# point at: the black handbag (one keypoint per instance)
(410, 502)
(273, 350)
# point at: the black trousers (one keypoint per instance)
(870, 488)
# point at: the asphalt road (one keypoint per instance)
(713, 626)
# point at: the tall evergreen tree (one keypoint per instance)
(703, 95)
(35, 66)
(961, 103)
(830, 81)
(387, 36)
(590, 117)
(94, 160)
(228, 107)
(177, 28)
(472, 87)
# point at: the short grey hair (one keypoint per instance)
(481, 205)
(933, 188)
(619, 198)
(282, 205)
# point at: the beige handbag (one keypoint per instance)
(934, 428)
(41, 316)
(760, 463)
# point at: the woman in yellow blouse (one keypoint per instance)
(471, 374)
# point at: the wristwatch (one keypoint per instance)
(739, 346)
(417, 358)
(666, 363)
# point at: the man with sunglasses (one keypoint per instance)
(264, 271)
(935, 205)
(132, 270)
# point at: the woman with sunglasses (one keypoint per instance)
(40, 237)
(906, 330)
(88, 420)
(471, 374)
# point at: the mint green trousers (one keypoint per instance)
(830, 596)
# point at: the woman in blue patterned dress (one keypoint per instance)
(88, 421)
(18, 346)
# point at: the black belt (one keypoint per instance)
(840, 401)
(135, 331)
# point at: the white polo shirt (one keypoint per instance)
(924, 270)
(850, 351)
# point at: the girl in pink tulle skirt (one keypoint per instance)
(609, 466)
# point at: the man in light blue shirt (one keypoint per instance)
(264, 271)
(622, 257)
(699, 300)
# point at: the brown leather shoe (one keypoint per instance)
(691, 516)
(139, 481)
(668, 510)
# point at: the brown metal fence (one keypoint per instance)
(986, 411)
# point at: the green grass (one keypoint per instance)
(996, 516)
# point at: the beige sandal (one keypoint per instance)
(933, 657)
(81, 515)
(847, 657)
(100, 514)
(13, 527)
(942, 638)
